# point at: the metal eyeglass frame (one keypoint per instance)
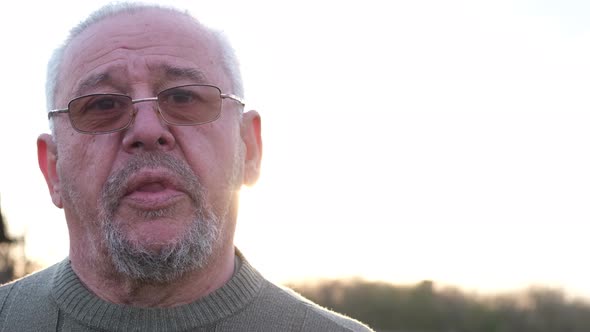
(140, 100)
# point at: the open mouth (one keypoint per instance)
(153, 189)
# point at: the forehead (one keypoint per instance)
(138, 48)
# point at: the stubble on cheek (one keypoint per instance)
(107, 230)
(148, 257)
(77, 175)
(115, 189)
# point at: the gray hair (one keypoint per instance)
(229, 59)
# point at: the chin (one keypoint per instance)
(161, 249)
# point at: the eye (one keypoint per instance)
(103, 104)
(179, 97)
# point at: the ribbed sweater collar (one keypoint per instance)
(76, 302)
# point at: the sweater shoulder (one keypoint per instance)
(308, 315)
(36, 283)
(27, 300)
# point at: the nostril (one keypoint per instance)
(161, 141)
(137, 144)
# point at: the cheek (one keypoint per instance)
(83, 167)
(214, 155)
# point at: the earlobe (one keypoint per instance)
(47, 157)
(251, 136)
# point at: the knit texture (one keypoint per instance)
(55, 300)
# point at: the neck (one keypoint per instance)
(110, 285)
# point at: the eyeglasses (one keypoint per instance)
(185, 105)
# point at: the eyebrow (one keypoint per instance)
(92, 81)
(172, 72)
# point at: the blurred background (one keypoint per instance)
(427, 160)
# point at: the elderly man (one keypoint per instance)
(148, 151)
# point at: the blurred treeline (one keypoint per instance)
(425, 308)
(13, 261)
(419, 308)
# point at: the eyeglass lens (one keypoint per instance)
(184, 105)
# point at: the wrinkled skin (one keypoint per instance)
(131, 54)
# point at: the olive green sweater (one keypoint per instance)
(55, 300)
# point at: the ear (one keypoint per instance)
(250, 131)
(47, 156)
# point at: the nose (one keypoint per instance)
(147, 131)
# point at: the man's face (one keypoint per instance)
(152, 185)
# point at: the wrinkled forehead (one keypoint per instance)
(151, 38)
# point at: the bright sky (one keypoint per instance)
(404, 140)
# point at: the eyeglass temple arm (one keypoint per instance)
(233, 97)
(52, 112)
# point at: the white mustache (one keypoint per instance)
(117, 183)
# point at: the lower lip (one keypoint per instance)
(153, 200)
